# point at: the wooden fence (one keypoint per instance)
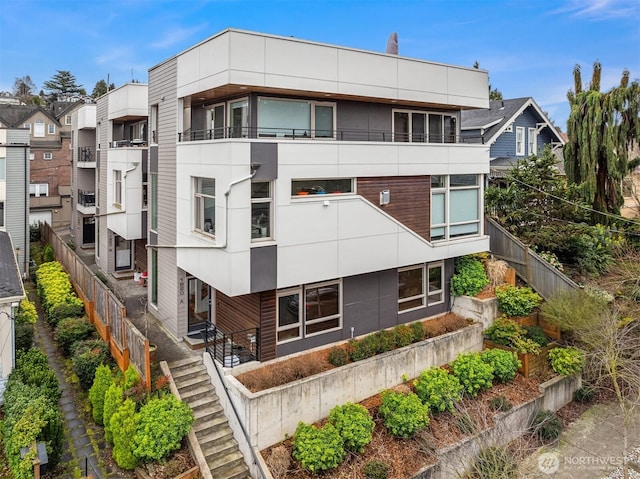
(538, 273)
(105, 311)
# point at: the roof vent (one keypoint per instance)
(392, 44)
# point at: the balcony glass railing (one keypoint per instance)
(309, 134)
(87, 153)
(86, 198)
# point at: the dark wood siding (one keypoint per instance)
(410, 199)
(237, 313)
(267, 325)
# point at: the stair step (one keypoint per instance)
(204, 411)
(209, 436)
(214, 423)
(193, 380)
(198, 392)
(183, 362)
(188, 370)
(238, 471)
(228, 460)
(214, 449)
(211, 400)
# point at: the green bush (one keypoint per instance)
(494, 463)
(101, 382)
(73, 309)
(516, 300)
(87, 356)
(338, 356)
(469, 278)
(47, 253)
(316, 449)
(27, 312)
(161, 425)
(131, 377)
(505, 364)
(547, 426)
(23, 336)
(376, 470)
(417, 329)
(354, 424)
(585, 394)
(403, 414)
(55, 290)
(385, 340)
(364, 348)
(69, 331)
(507, 332)
(537, 335)
(403, 335)
(113, 399)
(123, 425)
(32, 368)
(566, 361)
(438, 389)
(500, 403)
(473, 373)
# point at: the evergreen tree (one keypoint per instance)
(601, 128)
(62, 83)
(101, 88)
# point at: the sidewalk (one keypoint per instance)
(591, 448)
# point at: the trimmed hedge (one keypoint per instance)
(318, 450)
(403, 414)
(55, 290)
(354, 424)
(101, 382)
(70, 331)
(87, 356)
(438, 389)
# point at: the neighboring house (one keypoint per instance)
(11, 292)
(14, 191)
(514, 129)
(304, 193)
(50, 158)
(121, 170)
(83, 175)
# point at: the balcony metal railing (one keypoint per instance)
(86, 198)
(137, 142)
(232, 349)
(309, 134)
(87, 153)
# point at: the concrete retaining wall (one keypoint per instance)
(483, 311)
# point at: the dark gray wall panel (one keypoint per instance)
(264, 267)
(153, 159)
(266, 155)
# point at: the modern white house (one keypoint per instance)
(304, 193)
(121, 170)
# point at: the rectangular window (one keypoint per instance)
(39, 189)
(532, 141)
(295, 118)
(67, 120)
(32, 156)
(321, 187)
(321, 310)
(435, 284)
(117, 187)
(239, 118)
(38, 129)
(216, 120)
(261, 202)
(205, 205)
(52, 129)
(1, 214)
(411, 292)
(455, 206)
(154, 276)
(519, 140)
(414, 126)
(48, 155)
(154, 201)
(27, 126)
(154, 123)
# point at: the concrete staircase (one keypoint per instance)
(212, 431)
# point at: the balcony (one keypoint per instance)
(45, 202)
(86, 203)
(136, 143)
(87, 156)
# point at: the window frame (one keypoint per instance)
(36, 129)
(312, 119)
(431, 266)
(446, 190)
(319, 181)
(520, 141)
(67, 120)
(322, 319)
(532, 141)
(38, 189)
(264, 201)
(423, 137)
(289, 292)
(422, 296)
(47, 155)
(154, 201)
(51, 129)
(27, 126)
(117, 188)
(199, 199)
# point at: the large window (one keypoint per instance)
(455, 206)
(411, 293)
(309, 310)
(295, 118)
(415, 126)
(38, 129)
(519, 140)
(435, 284)
(117, 187)
(321, 187)
(39, 189)
(261, 202)
(205, 205)
(532, 141)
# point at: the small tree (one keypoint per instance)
(62, 83)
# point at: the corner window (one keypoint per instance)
(321, 187)
(52, 129)
(435, 284)
(308, 311)
(519, 140)
(411, 293)
(261, 209)
(455, 206)
(38, 129)
(205, 205)
(48, 155)
(117, 188)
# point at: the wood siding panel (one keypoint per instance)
(267, 325)
(237, 313)
(410, 199)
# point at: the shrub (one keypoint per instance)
(385, 341)
(316, 449)
(505, 364)
(27, 312)
(506, 332)
(47, 253)
(32, 368)
(376, 470)
(73, 309)
(123, 425)
(354, 424)
(131, 377)
(500, 403)
(585, 394)
(403, 335)
(113, 399)
(470, 277)
(403, 414)
(566, 361)
(494, 463)
(417, 329)
(547, 426)
(101, 382)
(438, 389)
(364, 348)
(23, 336)
(87, 356)
(71, 330)
(516, 300)
(161, 425)
(473, 373)
(338, 356)
(54, 288)
(537, 335)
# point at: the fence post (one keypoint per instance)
(527, 264)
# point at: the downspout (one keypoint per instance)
(226, 222)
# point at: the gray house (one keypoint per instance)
(514, 129)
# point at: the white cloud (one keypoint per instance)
(176, 35)
(600, 9)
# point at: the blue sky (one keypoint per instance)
(528, 47)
